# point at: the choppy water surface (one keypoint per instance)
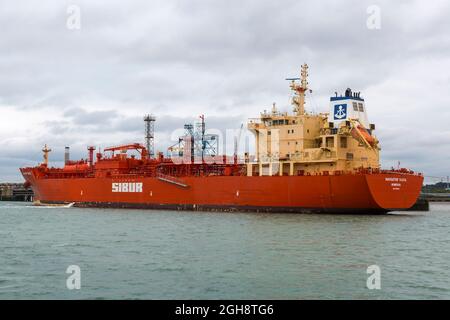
(138, 254)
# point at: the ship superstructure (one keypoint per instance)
(306, 143)
(304, 162)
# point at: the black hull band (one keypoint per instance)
(218, 208)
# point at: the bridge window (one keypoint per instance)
(361, 108)
(355, 106)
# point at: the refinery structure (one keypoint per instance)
(303, 162)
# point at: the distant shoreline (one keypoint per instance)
(436, 197)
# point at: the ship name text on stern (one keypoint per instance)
(395, 182)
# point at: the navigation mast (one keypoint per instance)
(299, 99)
(46, 150)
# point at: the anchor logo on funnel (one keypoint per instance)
(340, 111)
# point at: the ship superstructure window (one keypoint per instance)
(330, 142)
(349, 156)
(343, 142)
(361, 108)
(318, 143)
(355, 106)
(280, 122)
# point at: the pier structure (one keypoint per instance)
(15, 192)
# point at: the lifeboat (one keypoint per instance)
(359, 132)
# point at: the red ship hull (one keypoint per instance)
(358, 193)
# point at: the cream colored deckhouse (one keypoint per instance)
(305, 143)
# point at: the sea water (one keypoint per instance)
(149, 254)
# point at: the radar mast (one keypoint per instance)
(298, 100)
(46, 151)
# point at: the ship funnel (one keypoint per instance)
(66, 155)
(351, 106)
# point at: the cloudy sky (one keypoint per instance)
(65, 81)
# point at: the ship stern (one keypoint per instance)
(395, 190)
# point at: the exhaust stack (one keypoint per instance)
(91, 155)
(66, 155)
(150, 134)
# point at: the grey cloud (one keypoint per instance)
(79, 116)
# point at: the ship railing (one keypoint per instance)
(403, 171)
(254, 121)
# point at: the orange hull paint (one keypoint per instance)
(364, 192)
